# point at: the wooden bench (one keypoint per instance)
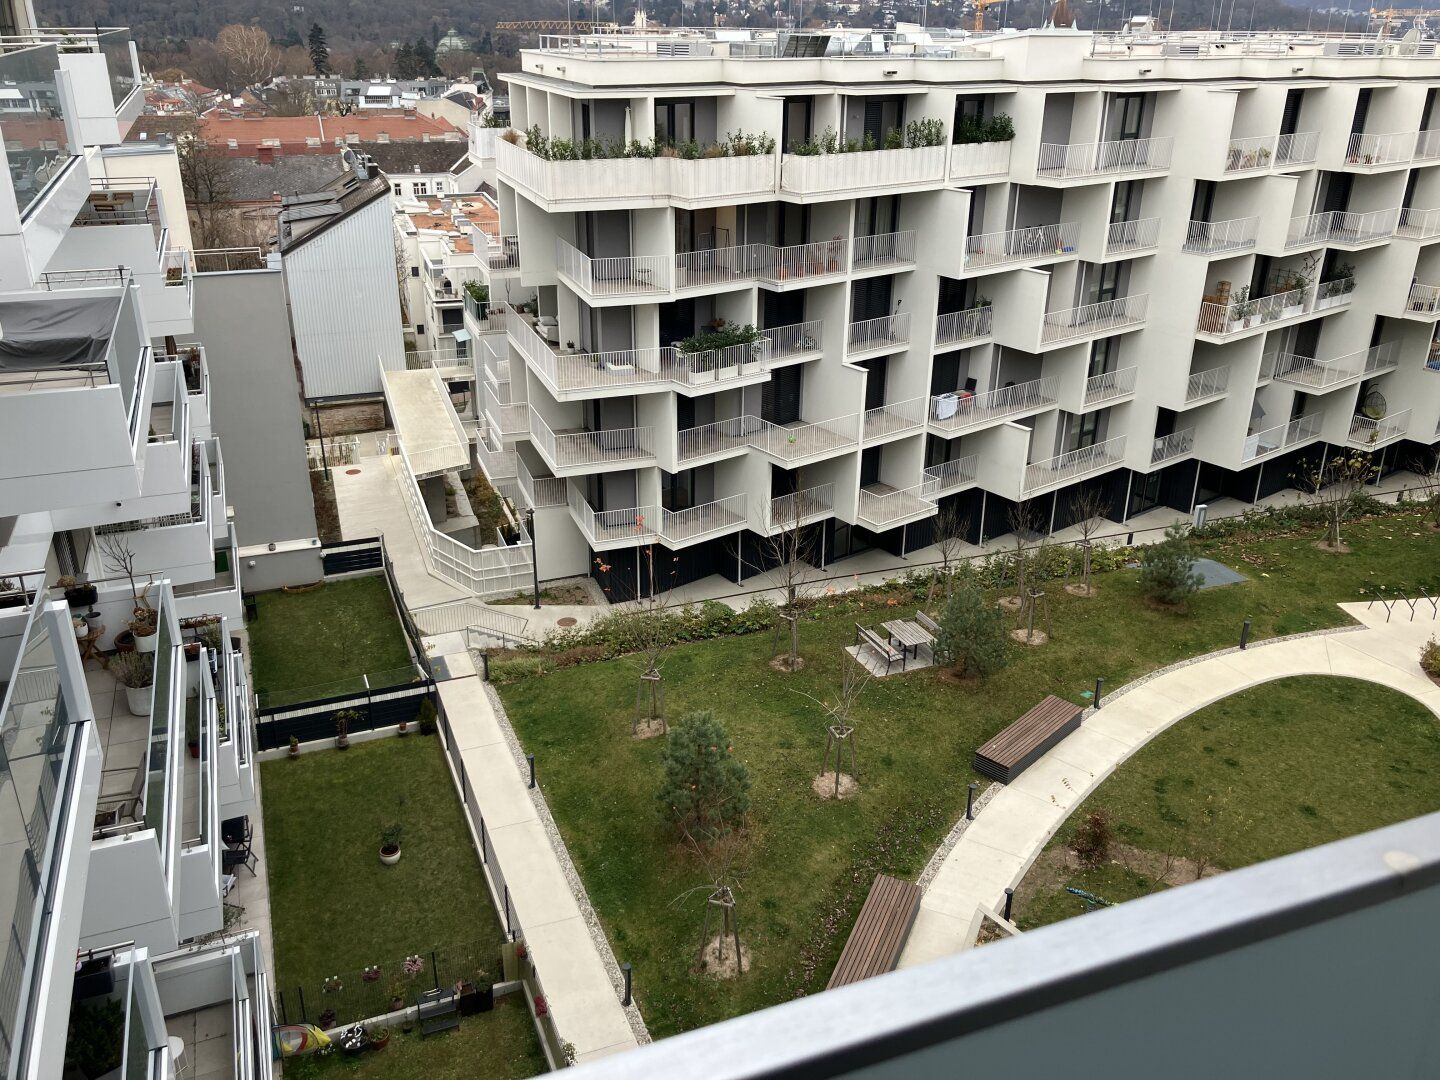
(887, 652)
(874, 946)
(926, 623)
(1021, 744)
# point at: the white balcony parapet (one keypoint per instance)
(882, 509)
(1206, 384)
(1105, 318)
(1110, 385)
(1336, 293)
(1427, 145)
(1271, 151)
(896, 418)
(886, 332)
(502, 253)
(778, 265)
(709, 519)
(797, 339)
(1322, 374)
(714, 266)
(628, 276)
(955, 328)
(883, 249)
(609, 180)
(1175, 445)
(579, 449)
(1392, 149)
(970, 161)
(1418, 224)
(798, 441)
(815, 174)
(1370, 434)
(1237, 316)
(1039, 243)
(950, 476)
(801, 507)
(1298, 148)
(958, 412)
(1073, 464)
(721, 437)
(632, 525)
(1061, 161)
(1280, 437)
(1213, 237)
(1423, 300)
(540, 491)
(1341, 227)
(1125, 237)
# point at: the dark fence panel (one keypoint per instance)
(314, 721)
(351, 556)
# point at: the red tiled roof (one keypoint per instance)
(292, 131)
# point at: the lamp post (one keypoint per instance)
(534, 554)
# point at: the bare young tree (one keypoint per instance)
(840, 732)
(947, 532)
(653, 635)
(793, 551)
(1090, 506)
(1024, 520)
(1336, 487)
(248, 51)
(207, 177)
(721, 953)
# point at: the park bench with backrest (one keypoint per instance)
(882, 648)
(874, 946)
(926, 623)
(1021, 744)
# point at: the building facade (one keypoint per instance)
(846, 280)
(123, 702)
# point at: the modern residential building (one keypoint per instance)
(115, 537)
(1162, 268)
(443, 240)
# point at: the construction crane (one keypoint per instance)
(980, 6)
(544, 26)
(1385, 16)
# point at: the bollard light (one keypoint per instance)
(531, 758)
(970, 801)
(1245, 634)
(1099, 687)
(1009, 903)
(627, 971)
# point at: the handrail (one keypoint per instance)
(1073, 463)
(956, 412)
(1210, 237)
(1280, 437)
(1072, 160)
(1038, 242)
(1205, 383)
(719, 515)
(1135, 235)
(1365, 431)
(1109, 385)
(1107, 316)
(883, 249)
(886, 331)
(882, 508)
(972, 324)
(948, 475)
(890, 419)
(1176, 444)
(798, 506)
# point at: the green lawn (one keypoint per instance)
(809, 863)
(1268, 771)
(318, 643)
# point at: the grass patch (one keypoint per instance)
(1268, 771)
(318, 643)
(808, 864)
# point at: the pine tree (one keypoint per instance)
(1166, 573)
(706, 790)
(972, 634)
(319, 51)
(425, 58)
(360, 70)
(405, 62)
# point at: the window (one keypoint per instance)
(396, 188)
(419, 329)
(414, 270)
(1088, 433)
(422, 187)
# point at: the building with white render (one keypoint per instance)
(114, 535)
(1166, 269)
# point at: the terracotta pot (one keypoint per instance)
(125, 641)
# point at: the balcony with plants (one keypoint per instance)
(913, 157)
(1291, 295)
(980, 147)
(1271, 152)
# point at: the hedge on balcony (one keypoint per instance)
(972, 129)
(735, 144)
(722, 337)
(916, 134)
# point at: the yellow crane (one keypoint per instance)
(980, 6)
(1385, 16)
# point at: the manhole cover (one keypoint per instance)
(352, 472)
(566, 621)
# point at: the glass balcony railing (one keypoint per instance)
(114, 45)
(37, 146)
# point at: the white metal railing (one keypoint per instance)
(624, 276)
(721, 437)
(1351, 228)
(1427, 145)
(1280, 437)
(1243, 155)
(891, 419)
(1299, 148)
(719, 516)
(800, 261)
(971, 160)
(502, 253)
(631, 525)
(1308, 229)
(1109, 385)
(1202, 384)
(797, 339)
(957, 411)
(582, 448)
(337, 451)
(1175, 445)
(1038, 242)
(883, 249)
(1367, 432)
(801, 506)
(539, 491)
(949, 476)
(1418, 224)
(711, 266)
(1108, 316)
(1388, 149)
(1135, 235)
(457, 616)
(958, 327)
(1319, 374)
(1068, 161)
(1210, 237)
(1073, 463)
(793, 442)
(1239, 315)
(885, 332)
(1329, 294)
(881, 509)
(810, 174)
(712, 366)
(1423, 300)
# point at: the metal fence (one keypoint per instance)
(313, 720)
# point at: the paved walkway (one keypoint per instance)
(996, 850)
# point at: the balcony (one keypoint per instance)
(950, 476)
(1015, 247)
(1109, 387)
(976, 161)
(1319, 376)
(1418, 225)
(720, 439)
(195, 372)
(1093, 320)
(1073, 465)
(1062, 162)
(799, 508)
(952, 414)
(888, 421)
(872, 337)
(1281, 437)
(648, 275)
(499, 257)
(1371, 434)
(798, 341)
(1128, 238)
(606, 529)
(1271, 152)
(883, 507)
(1333, 294)
(883, 251)
(178, 545)
(1374, 153)
(961, 329)
(865, 170)
(541, 491)
(1342, 229)
(1173, 447)
(697, 523)
(1203, 386)
(1427, 146)
(592, 451)
(1422, 303)
(1224, 322)
(794, 444)
(1219, 237)
(37, 139)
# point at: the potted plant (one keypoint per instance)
(135, 671)
(79, 625)
(343, 719)
(78, 596)
(390, 837)
(354, 1040)
(403, 728)
(370, 973)
(294, 748)
(379, 1038)
(397, 995)
(145, 626)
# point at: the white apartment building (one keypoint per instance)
(112, 503)
(1164, 268)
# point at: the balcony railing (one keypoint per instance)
(798, 441)
(540, 491)
(883, 249)
(1270, 151)
(627, 276)
(1073, 464)
(1280, 437)
(1063, 162)
(1336, 293)
(969, 161)
(1423, 300)
(963, 327)
(886, 332)
(1391, 149)
(1368, 433)
(1131, 236)
(710, 519)
(632, 525)
(1418, 224)
(797, 339)
(1104, 318)
(1299, 148)
(1213, 237)
(949, 476)
(1240, 315)
(718, 365)
(1036, 244)
(1110, 385)
(714, 266)
(958, 411)
(893, 419)
(1204, 384)
(799, 262)
(1175, 445)
(883, 508)
(1316, 374)
(1427, 145)
(802, 507)
(807, 174)
(721, 437)
(579, 449)
(501, 254)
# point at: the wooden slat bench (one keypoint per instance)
(885, 919)
(926, 623)
(1021, 744)
(887, 652)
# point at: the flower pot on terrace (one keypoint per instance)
(147, 643)
(389, 855)
(137, 699)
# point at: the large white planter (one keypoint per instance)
(137, 699)
(390, 860)
(147, 643)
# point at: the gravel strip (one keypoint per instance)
(953, 837)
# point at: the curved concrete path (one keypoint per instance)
(997, 849)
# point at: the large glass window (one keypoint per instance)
(36, 144)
